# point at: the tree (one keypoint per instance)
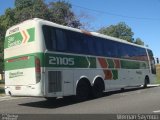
(139, 41)
(61, 13)
(58, 12)
(23, 10)
(40, 10)
(27, 9)
(8, 19)
(20, 4)
(121, 30)
(2, 34)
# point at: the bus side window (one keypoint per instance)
(61, 40)
(49, 36)
(91, 45)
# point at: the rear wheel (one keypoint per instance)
(98, 88)
(82, 91)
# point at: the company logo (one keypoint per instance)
(14, 30)
(19, 38)
(15, 74)
(61, 61)
(12, 42)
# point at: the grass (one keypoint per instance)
(158, 73)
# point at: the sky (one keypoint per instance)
(141, 15)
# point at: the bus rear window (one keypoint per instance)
(49, 36)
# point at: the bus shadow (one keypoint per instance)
(61, 102)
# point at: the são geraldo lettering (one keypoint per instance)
(61, 61)
(12, 42)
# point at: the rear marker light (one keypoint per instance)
(18, 59)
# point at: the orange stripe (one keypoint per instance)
(103, 62)
(117, 63)
(25, 36)
(107, 73)
(86, 32)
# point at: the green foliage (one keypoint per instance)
(139, 41)
(40, 10)
(62, 14)
(8, 19)
(27, 9)
(2, 32)
(20, 4)
(121, 30)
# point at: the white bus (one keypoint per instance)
(50, 60)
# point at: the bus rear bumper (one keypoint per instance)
(23, 91)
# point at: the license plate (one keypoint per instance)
(18, 87)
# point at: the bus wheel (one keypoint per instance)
(98, 88)
(82, 91)
(146, 82)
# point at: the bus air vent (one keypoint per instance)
(54, 81)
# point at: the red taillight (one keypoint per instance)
(37, 69)
(37, 65)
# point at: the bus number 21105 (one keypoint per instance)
(61, 60)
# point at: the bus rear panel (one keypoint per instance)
(22, 61)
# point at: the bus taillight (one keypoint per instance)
(37, 69)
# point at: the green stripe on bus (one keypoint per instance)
(133, 64)
(115, 74)
(110, 63)
(31, 33)
(21, 64)
(69, 61)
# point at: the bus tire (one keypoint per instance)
(146, 82)
(83, 90)
(98, 88)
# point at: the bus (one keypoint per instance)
(45, 59)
